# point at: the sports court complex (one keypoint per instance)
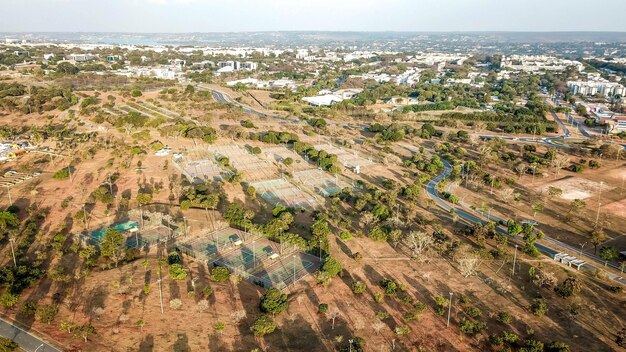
(350, 160)
(251, 256)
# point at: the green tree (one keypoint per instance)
(8, 220)
(220, 274)
(67, 68)
(47, 312)
(8, 345)
(144, 198)
(608, 253)
(273, 301)
(112, 245)
(9, 300)
(263, 325)
(539, 307)
(177, 272)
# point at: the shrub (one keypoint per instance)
(568, 287)
(62, 174)
(504, 317)
(471, 328)
(47, 312)
(273, 301)
(557, 346)
(402, 330)
(389, 286)
(176, 304)
(177, 272)
(533, 345)
(263, 325)
(322, 308)
(382, 315)
(8, 345)
(9, 300)
(509, 337)
(220, 274)
(345, 235)
(358, 287)
(539, 307)
(472, 312)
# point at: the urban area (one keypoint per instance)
(312, 195)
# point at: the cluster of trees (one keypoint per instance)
(390, 133)
(189, 130)
(273, 137)
(39, 99)
(322, 158)
(200, 196)
(520, 121)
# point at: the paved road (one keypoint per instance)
(473, 217)
(224, 98)
(27, 341)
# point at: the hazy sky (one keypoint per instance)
(340, 15)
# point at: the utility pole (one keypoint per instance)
(320, 247)
(294, 270)
(110, 185)
(141, 215)
(599, 201)
(11, 240)
(253, 253)
(449, 309)
(11, 200)
(160, 291)
(85, 217)
(581, 249)
(514, 260)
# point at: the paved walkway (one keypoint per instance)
(27, 341)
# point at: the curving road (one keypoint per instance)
(224, 98)
(469, 215)
(27, 341)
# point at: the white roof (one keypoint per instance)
(226, 69)
(323, 100)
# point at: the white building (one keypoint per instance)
(329, 99)
(596, 87)
(538, 63)
(81, 57)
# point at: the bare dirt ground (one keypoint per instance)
(577, 188)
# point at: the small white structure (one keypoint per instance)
(323, 100)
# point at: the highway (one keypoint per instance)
(27, 341)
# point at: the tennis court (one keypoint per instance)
(279, 153)
(286, 271)
(250, 255)
(253, 167)
(322, 182)
(280, 191)
(210, 245)
(348, 159)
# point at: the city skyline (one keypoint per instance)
(184, 16)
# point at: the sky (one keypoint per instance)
(164, 16)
